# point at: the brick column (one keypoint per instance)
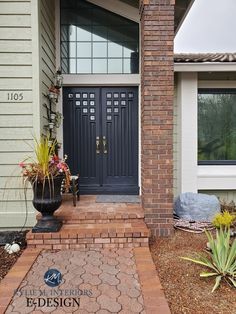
(157, 89)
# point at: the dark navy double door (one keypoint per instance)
(101, 138)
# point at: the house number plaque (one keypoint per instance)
(14, 96)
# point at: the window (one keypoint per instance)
(217, 126)
(95, 41)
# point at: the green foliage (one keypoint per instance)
(221, 260)
(224, 219)
(44, 152)
(216, 126)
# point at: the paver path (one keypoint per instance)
(107, 279)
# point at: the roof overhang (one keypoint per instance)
(130, 9)
(182, 8)
(205, 67)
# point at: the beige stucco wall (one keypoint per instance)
(27, 65)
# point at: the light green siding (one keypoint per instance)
(27, 65)
(47, 53)
(16, 116)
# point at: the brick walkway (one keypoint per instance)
(116, 280)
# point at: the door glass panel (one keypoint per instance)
(114, 50)
(84, 65)
(72, 66)
(83, 34)
(99, 65)
(99, 33)
(72, 33)
(91, 32)
(114, 65)
(84, 50)
(100, 50)
(72, 47)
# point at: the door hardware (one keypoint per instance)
(104, 142)
(97, 145)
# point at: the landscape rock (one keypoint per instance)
(196, 206)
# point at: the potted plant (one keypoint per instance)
(46, 172)
(53, 93)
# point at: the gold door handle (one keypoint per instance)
(104, 142)
(97, 145)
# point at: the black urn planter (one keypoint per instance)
(47, 199)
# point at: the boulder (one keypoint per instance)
(196, 206)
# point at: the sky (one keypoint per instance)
(210, 26)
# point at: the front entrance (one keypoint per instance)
(101, 138)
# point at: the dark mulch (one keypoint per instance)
(8, 260)
(185, 291)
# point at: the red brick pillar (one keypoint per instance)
(157, 89)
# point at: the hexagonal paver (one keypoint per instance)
(110, 291)
(89, 304)
(109, 304)
(107, 278)
(94, 280)
(92, 269)
(110, 269)
(130, 304)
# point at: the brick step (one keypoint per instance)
(103, 235)
(91, 212)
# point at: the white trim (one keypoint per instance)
(101, 79)
(192, 177)
(118, 7)
(217, 177)
(205, 67)
(187, 120)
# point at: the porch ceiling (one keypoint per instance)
(181, 9)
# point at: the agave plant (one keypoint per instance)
(221, 260)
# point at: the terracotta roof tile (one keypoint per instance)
(204, 57)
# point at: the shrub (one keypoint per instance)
(221, 259)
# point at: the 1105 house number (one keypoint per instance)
(13, 96)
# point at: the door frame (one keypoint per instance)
(60, 133)
(92, 80)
